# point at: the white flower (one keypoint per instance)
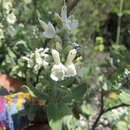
(37, 59)
(41, 57)
(68, 22)
(43, 53)
(37, 67)
(25, 58)
(71, 23)
(71, 70)
(45, 64)
(11, 18)
(29, 61)
(50, 31)
(7, 5)
(126, 72)
(58, 70)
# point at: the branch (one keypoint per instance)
(105, 111)
(101, 110)
(115, 107)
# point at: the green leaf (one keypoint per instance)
(126, 12)
(34, 92)
(99, 40)
(43, 24)
(67, 82)
(76, 93)
(85, 72)
(29, 90)
(79, 91)
(87, 109)
(121, 125)
(56, 112)
(115, 10)
(11, 53)
(99, 47)
(118, 47)
(10, 60)
(125, 97)
(22, 45)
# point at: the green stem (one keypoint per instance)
(119, 22)
(55, 93)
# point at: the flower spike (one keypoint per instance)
(58, 70)
(71, 70)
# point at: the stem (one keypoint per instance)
(55, 93)
(119, 22)
(115, 107)
(101, 110)
(37, 77)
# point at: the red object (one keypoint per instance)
(9, 83)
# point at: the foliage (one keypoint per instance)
(39, 44)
